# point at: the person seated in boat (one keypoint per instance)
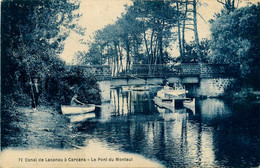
(177, 86)
(167, 87)
(75, 102)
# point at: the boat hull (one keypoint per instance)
(190, 104)
(81, 117)
(166, 103)
(70, 110)
(172, 103)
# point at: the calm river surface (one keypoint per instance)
(212, 135)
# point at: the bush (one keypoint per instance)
(60, 88)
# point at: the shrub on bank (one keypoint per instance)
(60, 89)
(57, 87)
(239, 92)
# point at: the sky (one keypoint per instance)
(98, 13)
(95, 15)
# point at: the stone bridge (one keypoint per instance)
(103, 72)
(199, 79)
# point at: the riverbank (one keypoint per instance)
(25, 128)
(45, 138)
(174, 139)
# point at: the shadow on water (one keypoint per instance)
(214, 135)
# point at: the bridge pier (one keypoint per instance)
(173, 79)
(105, 90)
(209, 87)
(154, 81)
(136, 81)
(213, 87)
(119, 81)
(206, 87)
(209, 80)
(190, 79)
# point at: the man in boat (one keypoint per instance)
(167, 87)
(75, 102)
(175, 86)
(35, 89)
(178, 86)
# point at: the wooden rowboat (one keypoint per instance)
(81, 117)
(70, 110)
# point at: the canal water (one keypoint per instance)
(213, 134)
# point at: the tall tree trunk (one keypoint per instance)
(179, 30)
(147, 48)
(183, 28)
(136, 50)
(116, 58)
(120, 58)
(113, 63)
(156, 50)
(101, 55)
(160, 43)
(196, 30)
(127, 55)
(151, 47)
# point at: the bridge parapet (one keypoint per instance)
(158, 70)
(103, 72)
(190, 70)
(219, 70)
(209, 70)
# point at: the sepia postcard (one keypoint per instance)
(130, 83)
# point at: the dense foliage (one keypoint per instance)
(61, 87)
(33, 35)
(191, 55)
(235, 40)
(145, 34)
(141, 36)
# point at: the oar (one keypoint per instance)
(99, 106)
(96, 105)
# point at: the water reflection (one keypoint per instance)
(212, 109)
(215, 135)
(174, 137)
(131, 102)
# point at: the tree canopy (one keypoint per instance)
(235, 39)
(33, 35)
(144, 34)
(141, 35)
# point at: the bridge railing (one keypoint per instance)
(158, 70)
(186, 69)
(101, 72)
(192, 69)
(219, 70)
